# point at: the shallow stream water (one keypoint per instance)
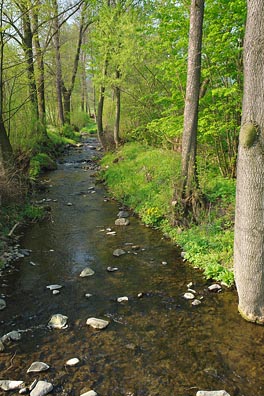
(158, 344)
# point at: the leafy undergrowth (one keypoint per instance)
(143, 178)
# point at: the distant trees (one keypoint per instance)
(249, 222)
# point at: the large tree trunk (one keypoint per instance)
(100, 108)
(249, 221)
(117, 111)
(189, 139)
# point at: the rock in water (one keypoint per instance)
(214, 287)
(41, 389)
(212, 393)
(58, 321)
(54, 287)
(7, 385)
(37, 367)
(122, 299)
(86, 272)
(196, 302)
(97, 323)
(118, 252)
(2, 304)
(188, 296)
(123, 214)
(12, 335)
(72, 362)
(122, 222)
(90, 393)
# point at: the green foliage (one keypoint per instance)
(39, 163)
(143, 178)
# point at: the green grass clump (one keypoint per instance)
(39, 163)
(144, 177)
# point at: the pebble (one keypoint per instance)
(58, 321)
(42, 388)
(164, 263)
(90, 393)
(196, 302)
(37, 367)
(88, 295)
(123, 214)
(112, 269)
(118, 252)
(97, 323)
(7, 385)
(122, 299)
(122, 222)
(72, 362)
(188, 296)
(69, 204)
(55, 292)
(54, 287)
(214, 287)
(86, 272)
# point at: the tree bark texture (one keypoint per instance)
(56, 40)
(189, 176)
(249, 220)
(40, 78)
(117, 111)
(5, 146)
(28, 49)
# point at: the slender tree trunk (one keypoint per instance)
(40, 79)
(5, 146)
(117, 111)
(249, 221)
(100, 108)
(56, 40)
(189, 139)
(28, 49)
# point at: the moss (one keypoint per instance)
(248, 135)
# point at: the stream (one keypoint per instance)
(157, 342)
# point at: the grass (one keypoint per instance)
(144, 177)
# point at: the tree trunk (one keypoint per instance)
(249, 221)
(28, 49)
(56, 40)
(5, 146)
(118, 111)
(40, 79)
(189, 139)
(100, 108)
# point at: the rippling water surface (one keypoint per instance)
(158, 344)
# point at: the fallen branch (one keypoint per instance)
(13, 229)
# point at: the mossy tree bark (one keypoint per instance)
(189, 185)
(249, 220)
(117, 110)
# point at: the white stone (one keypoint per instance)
(122, 299)
(188, 296)
(86, 272)
(55, 292)
(88, 295)
(97, 323)
(72, 362)
(212, 393)
(90, 393)
(58, 321)
(42, 388)
(196, 302)
(112, 269)
(164, 263)
(54, 287)
(37, 367)
(7, 385)
(214, 287)
(2, 304)
(12, 335)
